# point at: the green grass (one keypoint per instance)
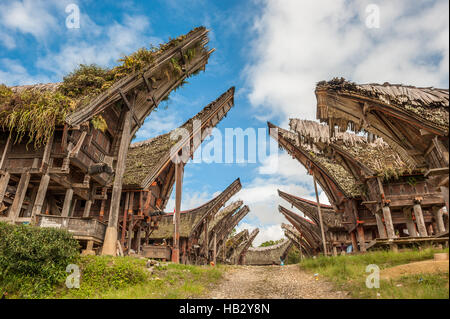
(349, 273)
(127, 277)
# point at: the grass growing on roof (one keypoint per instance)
(35, 112)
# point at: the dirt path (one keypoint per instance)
(273, 282)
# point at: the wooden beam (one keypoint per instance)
(4, 180)
(179, 170)
(320, 218)
(40, 197)
(110, 241)
(5, 151)
(67, 202)
(419, 218)
(20, 195)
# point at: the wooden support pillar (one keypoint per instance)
(444, 190)
(388, 221)
(438, 216)
(4, 180)
(419, 218)
(320, 218)
(67, 202)
(125, 217)
(5, 151)
(206, 240)
(40, 197)
(138, 240)
(334, 251)
(380, 225)
(361, 238)
(110, 241)
(410, 223)
(354, 242)
(20, 195)
(32, 199)
(214, 247)
(130, 232)
(72, 207)
(179, 170)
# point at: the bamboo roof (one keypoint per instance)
(331, 219)
(427, 103)
(375, 155)
(190, 219)
(146, 159)
(35, 110)
(345, 181)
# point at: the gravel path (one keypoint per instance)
(273, 282)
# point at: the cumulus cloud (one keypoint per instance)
(299, 43)
(28, 16)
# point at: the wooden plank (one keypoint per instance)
(320, 218)
(436, 171)
(179, 170)
(40, 197)
(109, 244)
(67, 202)
(20, 195)
(4, 180)
(5, 151)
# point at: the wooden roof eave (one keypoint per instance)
(225, 101)
(374, 124)
(219, 201)
(326, 182)
(395, 111)
(132, 81)
(304, 227)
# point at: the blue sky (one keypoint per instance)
(272, 51)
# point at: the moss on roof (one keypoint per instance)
(377, 155)
(145, 158)
(342, 178)
(35, 110)
(431, 104)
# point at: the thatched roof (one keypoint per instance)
(242, 248)
(145, 160)
(427, 103)
(306, 227)
(35, 110)
(189, 219)
(344, 180)
(267, 255)
(331, 219)
(375, 155)
(292, 233)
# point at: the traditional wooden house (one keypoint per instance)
(193, 225)
(225, 229)
(240, 251)
(413, 121)
(150, 169)
(390, 187)
(299, 241)
(270, 255)
(69, 141)
(336, 234)
(341, 188)
(232, 243)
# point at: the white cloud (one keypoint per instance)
(299, 43)
(28, 16)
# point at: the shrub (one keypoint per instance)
(33, 259)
